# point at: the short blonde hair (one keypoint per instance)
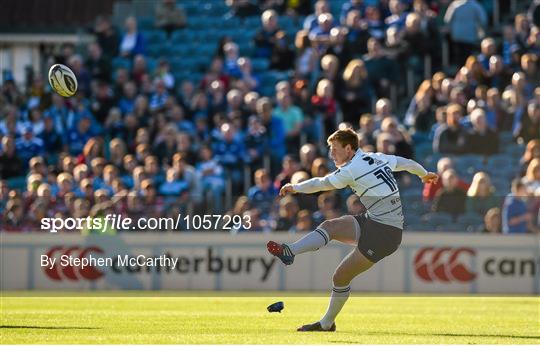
(348, 73)
(533, 165)
(473, 190)
(344, 137)
(323, 83)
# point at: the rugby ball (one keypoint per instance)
(62, 80)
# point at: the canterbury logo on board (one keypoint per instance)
(72, 272)
(444, 264)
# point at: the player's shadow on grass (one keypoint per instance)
(455, 334)
(41, 327)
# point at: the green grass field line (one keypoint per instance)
(240, 319)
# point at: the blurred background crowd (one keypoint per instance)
(209, 107)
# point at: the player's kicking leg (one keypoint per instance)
(344, 229)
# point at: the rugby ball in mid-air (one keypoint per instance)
(63, 80)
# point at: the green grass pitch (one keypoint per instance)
(167, 317)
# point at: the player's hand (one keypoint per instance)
(286, 189)
(430, 178)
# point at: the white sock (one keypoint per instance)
(310, 242)
(337, 300)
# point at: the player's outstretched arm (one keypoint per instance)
(308, 186)
(413, 167)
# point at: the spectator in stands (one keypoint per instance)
(187, 173)
(375, 23)
(174, 186)
(287, 214)
(481, 194)
(319, 167)
(107, 37)
(488, 48)
(420, 114)
(492, 221)
(325, 104)
(230, 62)
(381, 70)
(522, 28)
(398, 14)
(170, 16)
(368, 129)
(355, 96)
(211, 175)
(306, 55)
(256, 141)
(163, 72)
(289, 167)
(515, 215)
(383, 110)
(481, 139)
(52, 139)
(282, 56)
(496, 116)
(326, 202)
(83, 76)
(498, 75)
(159, 98)
(265, 38)
(132, 42)
(329, 69)
(450, 199)
(321, 6)
(275, 132)
(247, 77)
(217, 98)
(534, 41)
(531, 180)
(127, 100)
(416, 43)
(263, 194)
(320, 35)
(428, 25)
(102, 102)
(292, 118)
(532, 151)
(98, 66)
(358, 33)
(339, 46)
(11, 164)
(431, 189)
(351, 5)
(527, 127)
(14, 217)
(465, 19)
(399, 137)
(476, 71)
(229, 153)
(450, 138)
(385, 144)
(304, 222)
(28, 145)
(529, 65)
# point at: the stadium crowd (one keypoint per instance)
(135, 140)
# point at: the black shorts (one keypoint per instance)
(377, 240)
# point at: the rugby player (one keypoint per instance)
(375, 233)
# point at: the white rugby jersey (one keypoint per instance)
(370, 177)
